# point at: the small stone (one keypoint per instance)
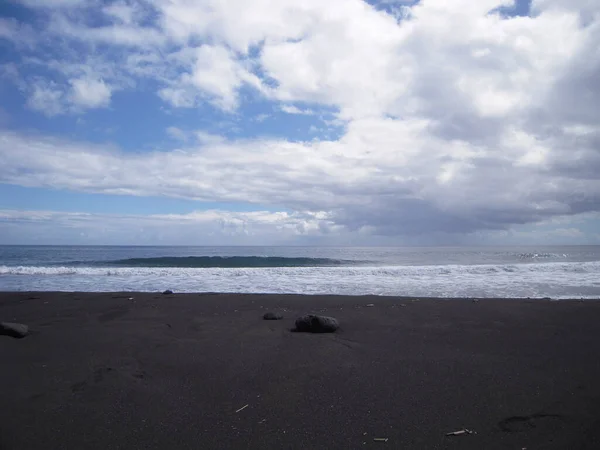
(168, 292)
(316, 324)
(16, 330)
(272, 316)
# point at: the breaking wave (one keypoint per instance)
(225, 262)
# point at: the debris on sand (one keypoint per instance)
(242, 408)
(462, 432)
(272, 316)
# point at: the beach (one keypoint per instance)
(188, 371)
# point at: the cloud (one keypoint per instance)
(51, 3)
(46, 98)
(454, 117)
(122, 12)
(197, 136)
(392, 177)
(291, 109)
(202, 227)
(211, 227)
(52, 99)
(13, 31)
(206, 138)
(122, 34)
(90, 93)
(346, 54)
(177, 133)
(215, 75)
(261, 117)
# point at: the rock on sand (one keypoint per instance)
(316, 324)
(16, 330)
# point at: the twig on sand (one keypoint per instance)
(462, 432)
(380, 439)
(242, 408)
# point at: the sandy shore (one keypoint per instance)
(103, 371)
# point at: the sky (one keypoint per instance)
(279, 122)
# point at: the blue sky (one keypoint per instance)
(273, 122)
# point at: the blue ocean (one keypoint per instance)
(556, 272)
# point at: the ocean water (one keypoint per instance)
(556, 272)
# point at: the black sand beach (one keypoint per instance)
(193, 371)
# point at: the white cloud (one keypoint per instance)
(18, 33)
(197, 136)
(393, 176)
(51, 99)
(177, 133)
(567, 232)
(51, 3)
(214, 74)
(8, 28)
(46, 98)
(346, 54)
(291, 109)
(90, 93)
(122, 12)
(121, 34)
(199, 228)
(261, 117)
(206, 138)
(455, 119)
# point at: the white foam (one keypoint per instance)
(557, 280)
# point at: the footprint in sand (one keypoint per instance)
(96, 377)
(515, 424)
(112, 315)
(101, 373)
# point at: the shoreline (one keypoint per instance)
(292, 295)
(176, 371)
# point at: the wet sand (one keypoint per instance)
(101, 371)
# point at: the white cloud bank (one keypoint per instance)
(456, 119)
(214, 227)
(200, 228)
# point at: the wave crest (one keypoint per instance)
(232, 262)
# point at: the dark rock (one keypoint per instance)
(272, 316)
(316, 324)
(16, 330)
(168, 292)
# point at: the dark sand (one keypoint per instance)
(100, 371)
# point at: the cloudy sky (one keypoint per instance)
(341, 122)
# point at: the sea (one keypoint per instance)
(558, 272)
